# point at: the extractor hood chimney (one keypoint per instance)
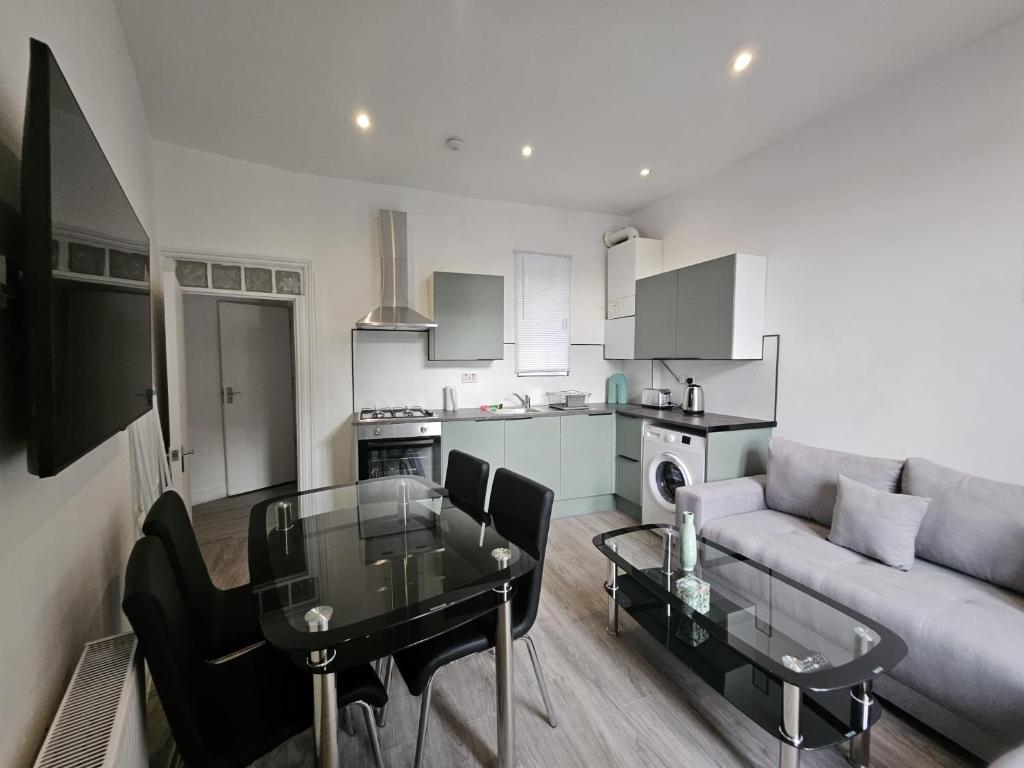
(397, 280)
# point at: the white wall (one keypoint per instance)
(894, 231)
(208, 202)
(63, 541)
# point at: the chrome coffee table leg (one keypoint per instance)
(612, 584)
(789, 747)
(859, 753)
(325, 694)
(503, 667)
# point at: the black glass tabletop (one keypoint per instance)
(794, 633)
(392, 557)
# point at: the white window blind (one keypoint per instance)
(543, 284)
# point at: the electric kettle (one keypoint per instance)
(693, 398)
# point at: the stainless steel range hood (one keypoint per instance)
(397, 280)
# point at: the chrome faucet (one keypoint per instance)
(523, 399)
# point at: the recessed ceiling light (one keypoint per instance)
(645, 171)
(363, 121)
(527, 150)
(742, 61)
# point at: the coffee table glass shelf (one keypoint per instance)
(794, 661)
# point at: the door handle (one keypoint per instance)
(229, 394)
(185, 453)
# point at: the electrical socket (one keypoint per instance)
(470, 378)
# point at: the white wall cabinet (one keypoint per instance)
(628, 262)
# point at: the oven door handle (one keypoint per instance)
(406, 442)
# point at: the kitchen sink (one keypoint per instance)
(517, 411)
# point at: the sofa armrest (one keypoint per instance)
(709, 501)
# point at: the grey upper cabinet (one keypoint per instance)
(713, 310)
(655, 328)
(470, 314)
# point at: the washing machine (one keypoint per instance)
(672, 460)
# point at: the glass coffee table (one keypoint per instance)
(794, 661)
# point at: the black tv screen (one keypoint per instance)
(85, 281)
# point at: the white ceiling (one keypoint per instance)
(600, 88)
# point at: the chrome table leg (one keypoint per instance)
(859, 752)
(612, 584)
(789, 752)
(325, 694)
(503, 667)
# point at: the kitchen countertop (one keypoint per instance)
(709, 422)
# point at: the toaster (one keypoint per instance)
(656, 398)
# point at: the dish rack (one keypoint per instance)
(568, 399)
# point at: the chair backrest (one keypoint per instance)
(466, 480)
(153, 604)
(168, 521)
(521, 511)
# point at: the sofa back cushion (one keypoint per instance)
(973, 525)
(802, 479)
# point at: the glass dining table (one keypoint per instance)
(354, 573)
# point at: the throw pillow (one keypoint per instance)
(877, 524)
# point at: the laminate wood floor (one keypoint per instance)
(619, 701)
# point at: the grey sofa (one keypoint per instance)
(964, 673)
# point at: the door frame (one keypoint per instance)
(304, 332)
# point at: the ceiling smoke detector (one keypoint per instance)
(454, 143)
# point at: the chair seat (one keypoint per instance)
(235, 625)
(360, 683)
(419, 662)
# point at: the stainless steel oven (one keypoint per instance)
(400, 449)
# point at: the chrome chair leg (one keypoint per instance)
(371, 730)
(421, 736)
(381, 713)
(346, 722)
(535, 658)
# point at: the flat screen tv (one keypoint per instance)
(85, 277)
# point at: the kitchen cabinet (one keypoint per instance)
(714, 312)
(655, 325)
(629, 435)
(483, 438)
(586, 448)
(470, 314)
(533, 449)
(628, 479)
(620, 338)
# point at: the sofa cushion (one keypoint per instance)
(963, 635)
(802, 479)
(973, 525)
(877, 524)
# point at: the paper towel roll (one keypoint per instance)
(451, 400)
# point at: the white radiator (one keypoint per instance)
(101, 722)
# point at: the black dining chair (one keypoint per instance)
(227, 620)
(229, 713)
(520, 510)
(466, 480)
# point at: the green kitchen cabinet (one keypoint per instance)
(470, 314)
(629, 479)
(655, 327)
(629, 436)
(483, 438)
(533, 449)
(737, 454)
(587, 446)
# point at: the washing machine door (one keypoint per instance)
(666, 475)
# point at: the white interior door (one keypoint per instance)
(177, 397)
(257, 395)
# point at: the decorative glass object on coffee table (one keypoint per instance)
(794, 661)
